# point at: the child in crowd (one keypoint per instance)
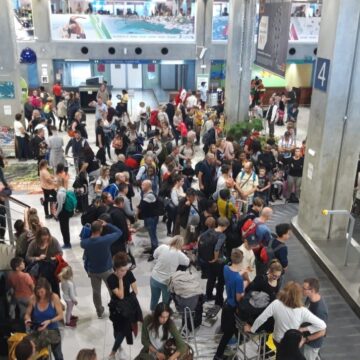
(248, 262)
(277, 184)
(21, 283)
(263, 188)
(69, 295)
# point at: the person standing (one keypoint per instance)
(77, 145)
(100, 141)
(45, 309)
(103, 94)
(122, 284)
(20, 139)
(234, 285)
(98, 259)
(48, 185)
(61, 109)
(296, 165)
(316, 304)
(168, 258)
(148, 212)
(57, 91)
(271, 116)
(63, 214)
(207, 175)
(100, 108)
(203, 94)
(55, 145)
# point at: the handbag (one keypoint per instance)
(170, 349)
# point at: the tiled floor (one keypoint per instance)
(92, 332)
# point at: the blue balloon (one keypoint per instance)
(28, 56)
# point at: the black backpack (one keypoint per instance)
(206, 245)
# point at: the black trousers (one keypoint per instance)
(215, 273)
(271, 128)
(228, 327)
(64, 219)
(101, 155)
(49, 197)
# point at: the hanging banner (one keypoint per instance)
(273, 36)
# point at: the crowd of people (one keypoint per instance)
(216, 211)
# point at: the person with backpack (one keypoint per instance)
(66, 205)
(149, 210)
(234, 292)
(98, 258)
(211, 258)
(246, 184)
(276, 248)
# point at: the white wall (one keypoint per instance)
(118, 76)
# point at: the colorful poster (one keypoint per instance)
(160, 20)
(7, 141)
(7, 90)
(273, 36)
(305, 22)
(304, 28)
(220, 23)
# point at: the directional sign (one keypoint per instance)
(322, 74)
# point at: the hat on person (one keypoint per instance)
(251, 239)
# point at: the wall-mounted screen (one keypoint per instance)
(113, 20)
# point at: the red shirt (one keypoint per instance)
(57, 90)
(22, 283)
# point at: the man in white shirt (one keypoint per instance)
(19, 131)
(203, 94)
(271, 116)
(191, 101)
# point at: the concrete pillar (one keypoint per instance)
(240, 55)
(203, 36)
(333, 144)
(41, 18)
(9, 63)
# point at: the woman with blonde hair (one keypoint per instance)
(288, 312)
(103, 180)
(168, 258)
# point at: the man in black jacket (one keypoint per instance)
(149, 212)
(118, 218)
(117, 167)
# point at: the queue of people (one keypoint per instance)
(224, 224)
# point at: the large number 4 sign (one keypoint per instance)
(322, 74)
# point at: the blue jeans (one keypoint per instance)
(151, 225)
(158, 288)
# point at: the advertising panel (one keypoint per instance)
(113, 20)
(220, 24)
(273, 36)
(305, 22)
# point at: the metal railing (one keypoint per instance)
(7, 216)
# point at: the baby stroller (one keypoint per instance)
(186, 292)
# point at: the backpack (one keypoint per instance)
(112, 189)
(267, 253)
(206, 138)
(206, 245)
(160, 207)
(85, 232)
(154, 118)
(248, 229)
(70, 202)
